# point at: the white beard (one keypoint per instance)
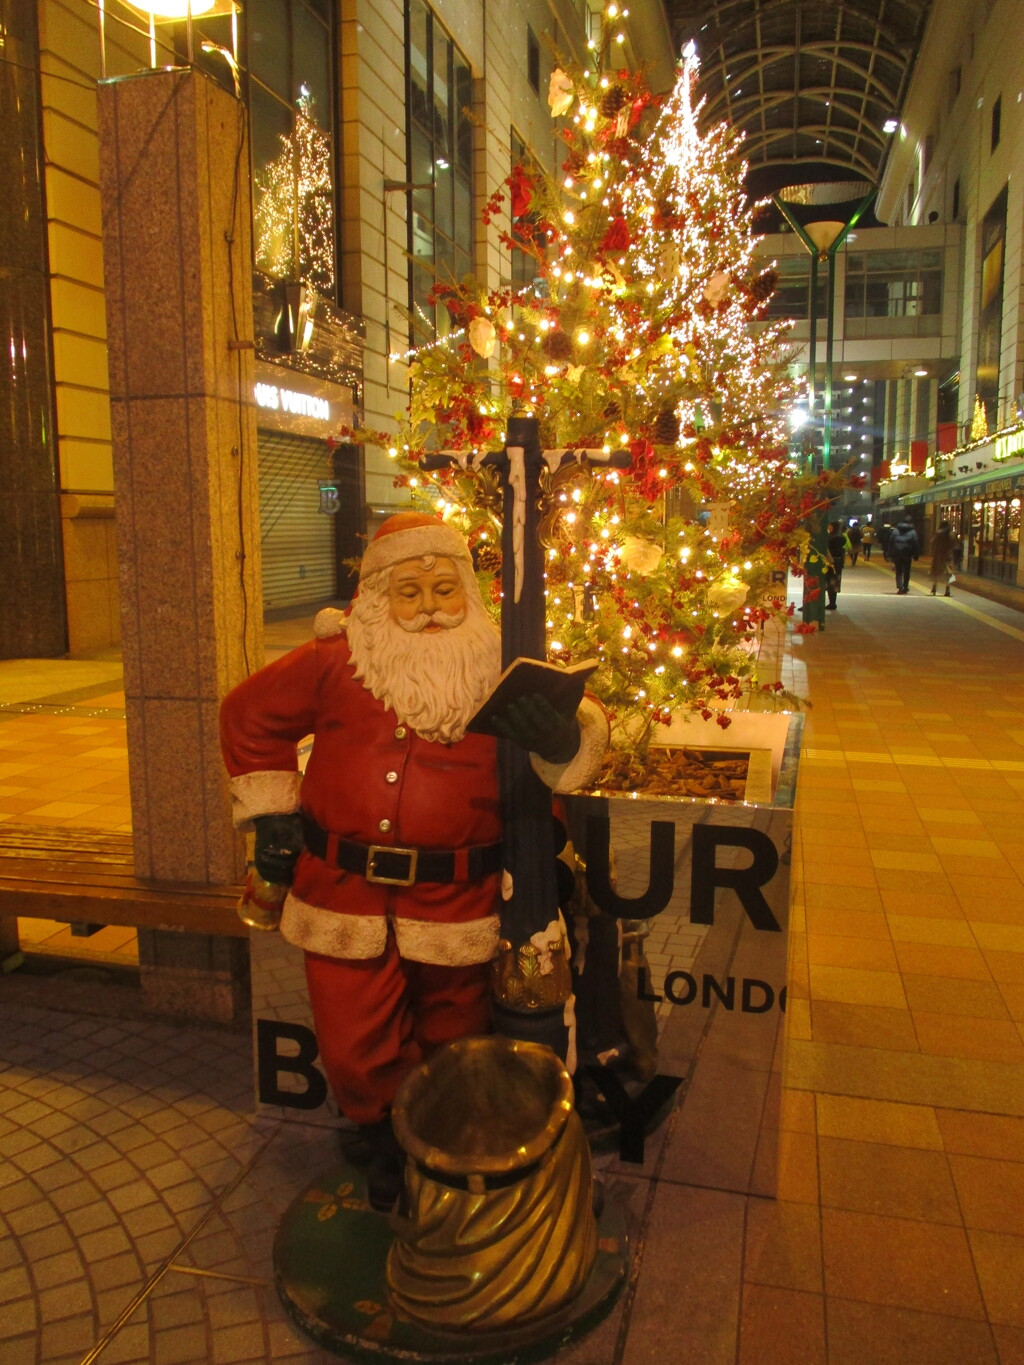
(434, 681)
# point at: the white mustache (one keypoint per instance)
(449, 620)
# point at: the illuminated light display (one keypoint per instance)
(294, 206)
(288, 400)
(642, 331)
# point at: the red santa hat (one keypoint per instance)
(411, 535)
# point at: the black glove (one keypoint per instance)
(534, 724)
(279, 841)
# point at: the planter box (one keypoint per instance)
(713, 879)
(717, 957)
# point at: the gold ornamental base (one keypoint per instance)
(330, 1255)
(500, 1228)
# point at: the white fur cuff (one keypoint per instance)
(332, 934)
(263, 793)
(583, 767)
(447, 945)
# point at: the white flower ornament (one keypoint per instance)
(482, 337)
(560, 93)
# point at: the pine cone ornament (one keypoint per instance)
(488, 558)
(613, 411)
(558, 346)
(765, 286)
(612, 101)
(666, 428)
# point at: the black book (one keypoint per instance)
(563, 687)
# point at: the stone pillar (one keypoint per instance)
(176, 225)
(32, 611)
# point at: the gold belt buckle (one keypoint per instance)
(411, 853)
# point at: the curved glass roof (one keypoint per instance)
(812, 83)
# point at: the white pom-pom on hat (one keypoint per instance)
(327, 622)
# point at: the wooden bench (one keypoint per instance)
(81, 876)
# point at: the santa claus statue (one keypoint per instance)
(391, 841)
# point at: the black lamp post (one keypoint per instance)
(524, 1007)
(823, 216)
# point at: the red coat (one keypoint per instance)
(372, 780)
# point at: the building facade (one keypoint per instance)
(956, 159)
(376, 133)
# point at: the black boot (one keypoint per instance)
(373, 1148)
(386, 1168)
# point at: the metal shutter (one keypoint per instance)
(299, 563)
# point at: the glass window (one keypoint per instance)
(273, 179)
(441, 92)
(893, 284)
(418, 65)
(311, 66)
(523, 264)
(463, 127)
(440, 160)
(269, 44)
(532, 59)
(293, 160)
(792, 295)
(463, 213)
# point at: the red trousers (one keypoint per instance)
(378, 1018)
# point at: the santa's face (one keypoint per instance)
(425, 596)
(421, 641)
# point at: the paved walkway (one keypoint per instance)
(138, 1193)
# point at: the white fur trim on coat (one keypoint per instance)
(332, 934)
(583, 767)
(447, 945)
(263, 793)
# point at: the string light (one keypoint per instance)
(636, 336)
(296, 190)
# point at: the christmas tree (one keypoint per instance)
(293, 213)
(640, 334)
(979, 420)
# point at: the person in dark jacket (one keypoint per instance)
(837, 544)
(943, 551)
(902, 547)
(856, 535)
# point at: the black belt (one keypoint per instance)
(392, 866)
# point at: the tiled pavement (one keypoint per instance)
(63, 747)
(131, 1162)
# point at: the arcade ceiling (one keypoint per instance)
(812, 83)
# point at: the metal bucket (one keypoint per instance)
(501, 1229)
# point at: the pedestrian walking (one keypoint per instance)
(856, 538)
(837, 543)
(902, 547)
(867, 540)
(943, 559)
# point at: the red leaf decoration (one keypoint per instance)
(617, 237)
(521, 187)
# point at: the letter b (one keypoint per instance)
(270, 1063)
